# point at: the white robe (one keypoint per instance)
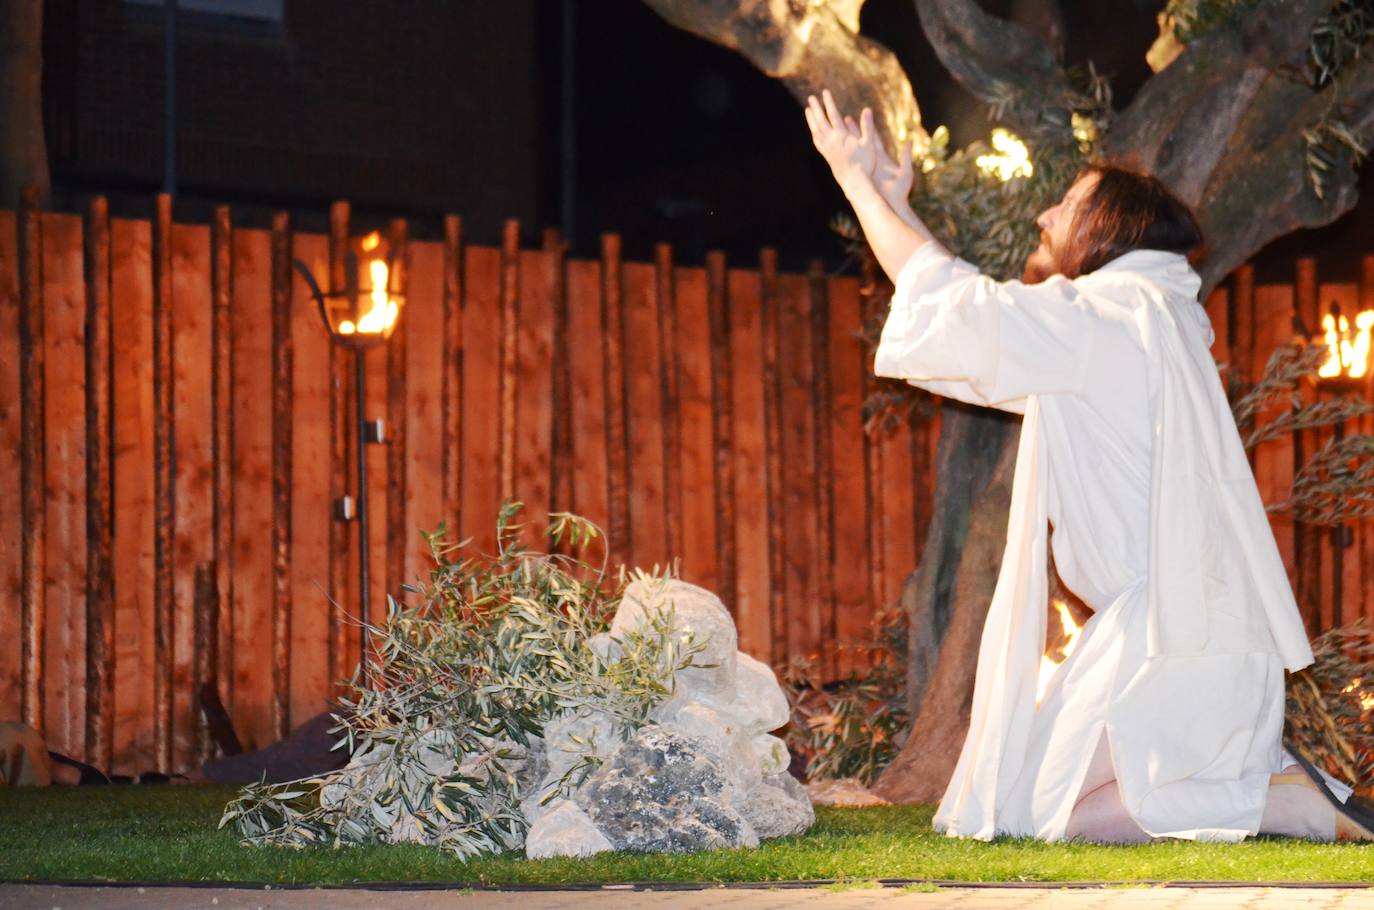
(1129, 449)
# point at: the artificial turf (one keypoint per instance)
(168, 833)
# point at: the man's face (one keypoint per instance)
(1054, 224)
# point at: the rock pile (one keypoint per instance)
(704, 772)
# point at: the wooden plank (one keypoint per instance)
(1340, 556)
(848, 369)
(534, 377)
(644, 424)
(586, 369)
(561, 457)
(752, 617)
(11, 527)
(400, 533)
(804, 618)
(282, 452)
(873, 458)
(1274, 460)
(722, 426)
(221, 661)
(252, 604)
(313, 619)
(343, 431)
(32, 455)
(164, 593)
(1366, 530)
(510, 305)
(192, 326)
(619, 532)
(823, 481)
(670, 417)
(376, 397)
(132, 348)
(426, 505)
(453, 371)
(1307, 538)
(64, 304)
(898, 509)
(696, 444)
(772, 455)
(1241, 325)
(100, 603)
(481, 410)
(1218, 308)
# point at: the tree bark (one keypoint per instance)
(23, 151)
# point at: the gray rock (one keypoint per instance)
(759, 704)
(564, 830)
(725, 738)
(664, 792)
(775, 812)
(772, 753)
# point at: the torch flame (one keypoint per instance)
(1366, 697)
(1049, 664)
(381, 316)
(1345, 354)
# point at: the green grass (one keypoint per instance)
(168, 834)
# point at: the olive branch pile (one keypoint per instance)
(444, 729)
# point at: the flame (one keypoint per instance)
(1010, 158)
(1365, 696)
(1346, 355)
(381, 316)
(1048, 664)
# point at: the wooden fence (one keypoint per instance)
(175, 425)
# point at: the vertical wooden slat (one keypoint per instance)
(222, 448)
(12, 545)
(722, 426)
(281, 472)
(772, 423)
(671, 414)
(400, 536)
(481, 402)
(848, 369)
(898, 508)
(696, 446)
(32, 471)
(1272, 309)
(561, 458)
(134, 569)
(64, 304)
(1307, 539)
(874, 468)
(824, 458)
(343, 548)
(193, 491)
(1339, 544)
(802, 615)
(618, 527)
(312, 520)
(453, 371)
(643, 418)
(253, 554)
(100, 604)
(1241, 325)
(164, 592)
(426, 505)
(589, 414)
(206, 609)
(1366, 532)
(534, 412)
(1218, 308)
(510, 316)
(749, 450)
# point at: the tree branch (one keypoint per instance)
(809, 47)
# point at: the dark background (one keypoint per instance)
(590, 115)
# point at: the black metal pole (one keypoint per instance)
(360, 405)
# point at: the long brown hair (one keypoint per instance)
(1126, 211)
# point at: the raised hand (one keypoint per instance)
(892, 178)
(850, 153)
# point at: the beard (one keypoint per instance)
(1040, 265)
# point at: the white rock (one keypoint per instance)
(697, 614)
(759, 704)
(772, 753)
(726, 738)
(568, 739)
(564, 830)
(773, 812)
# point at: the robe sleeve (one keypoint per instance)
(957, 333)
